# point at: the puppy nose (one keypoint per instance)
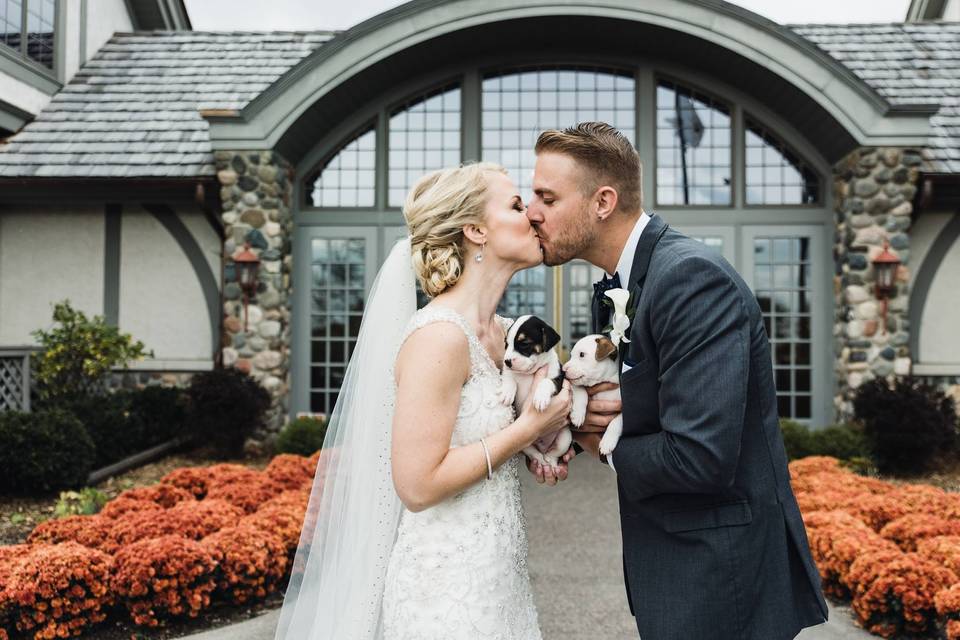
(507, 362)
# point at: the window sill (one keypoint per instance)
(950, 369)
(25, 70)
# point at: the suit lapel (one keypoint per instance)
(638, 271)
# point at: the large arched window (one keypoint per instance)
(716, 166)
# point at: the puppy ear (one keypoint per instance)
(550, 337)
(606, 349)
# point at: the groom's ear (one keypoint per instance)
(606, 349)
(606, 199)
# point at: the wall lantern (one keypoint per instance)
(248, 263)
(885, 266)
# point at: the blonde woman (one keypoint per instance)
(415, 528)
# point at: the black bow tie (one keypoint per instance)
(600, 309)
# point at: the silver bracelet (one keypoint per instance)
(486, 452)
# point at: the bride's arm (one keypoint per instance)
(431, 368)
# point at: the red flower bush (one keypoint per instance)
(947, 602)
(59, 590)
(251, 561)
(942, 549)
(901, 597)
(122, 507)
(247, 494)
(166, 576)
(810, 465)
(193, 520)
(291, 471)
(90, 531)
(195, 480)
(910, 529)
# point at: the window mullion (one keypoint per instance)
(738, 166)
(380, 162)
(470, 124)
(647, 132)
(24, 51)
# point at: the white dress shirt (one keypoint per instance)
(623, 270)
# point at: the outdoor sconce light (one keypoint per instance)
(885, 272)
(247, 266)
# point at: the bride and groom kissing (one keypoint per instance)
(415, 527)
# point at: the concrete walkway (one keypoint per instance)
(575, 566)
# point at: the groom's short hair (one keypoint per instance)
(608, 155)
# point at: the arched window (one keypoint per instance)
(774, 174)
(424, 136)
(693, 148)
(347, 179)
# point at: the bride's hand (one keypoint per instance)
(555, 416)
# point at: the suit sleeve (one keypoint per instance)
(700, 326)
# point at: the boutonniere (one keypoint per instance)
(622, 303)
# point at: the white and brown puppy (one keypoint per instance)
(530, 343)
(594, 360)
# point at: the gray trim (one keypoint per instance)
(851, 101)
(471, 109)
(166, 216)
(113, 220)
(60, 40)
(134, 18)
(924, 280)
(925, 10)
(13, 117)
(83, 32)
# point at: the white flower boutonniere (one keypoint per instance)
(622, 315)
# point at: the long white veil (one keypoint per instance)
(336, 584)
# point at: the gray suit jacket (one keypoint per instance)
(714, 547)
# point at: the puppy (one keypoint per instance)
(594, 360)
(530, 343)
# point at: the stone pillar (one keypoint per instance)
(874, 189)
(255, 192)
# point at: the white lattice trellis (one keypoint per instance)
(15, 379)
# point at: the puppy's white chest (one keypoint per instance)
(524, 386)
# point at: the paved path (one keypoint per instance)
(575, 566)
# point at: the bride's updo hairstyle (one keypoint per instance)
(438, 206)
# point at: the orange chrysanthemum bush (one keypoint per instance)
(910, 529)
(947, 602)
(152, 498)
(900, 599)
(58, 590)
(251, 562)
(90, 531)
(813, 464)
(942, 549)
(291, 471)
(193, 520)
(247, 493)
(195, 480)
(283, 516)
(163, 577)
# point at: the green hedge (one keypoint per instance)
(842, 441)
(43, 451)
(303, 436)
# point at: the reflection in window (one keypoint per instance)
(783, 288)
(712, 242)
(519, 105)
(33, 37)
(347, 179)
(775, 175)
(527, 293)
(424, 135)
(693, 148)
(336, 309)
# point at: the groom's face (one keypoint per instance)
(559, 210)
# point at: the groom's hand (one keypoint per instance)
(599, 412)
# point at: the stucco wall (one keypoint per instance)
(48, 254)
(939, 339)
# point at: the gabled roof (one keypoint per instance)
(133, 111)
(905, 63)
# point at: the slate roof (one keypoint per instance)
(133, 110)
(905, 63)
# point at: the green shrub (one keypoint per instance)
(843, 441)
(78, 354)
(303, 436)
(43, 451)
(907, 423)
(87, 501)
(107, 419)
(225, 406)
(161, 413)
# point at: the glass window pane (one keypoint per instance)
(347, 178)
(693, 148)
(775, 175)
(11, 24)
(40, 21)
(424, 136)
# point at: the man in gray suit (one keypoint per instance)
(714, 546)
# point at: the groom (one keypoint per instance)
(714, 547)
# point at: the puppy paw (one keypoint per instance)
(541, 399)
(608, 444)
(578, 414)
(507, 394)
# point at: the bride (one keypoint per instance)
(415, 527)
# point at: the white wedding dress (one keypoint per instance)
(458, 570)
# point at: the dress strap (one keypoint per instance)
(480, 361)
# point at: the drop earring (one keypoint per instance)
(479, 257)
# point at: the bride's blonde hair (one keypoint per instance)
(438, 206)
